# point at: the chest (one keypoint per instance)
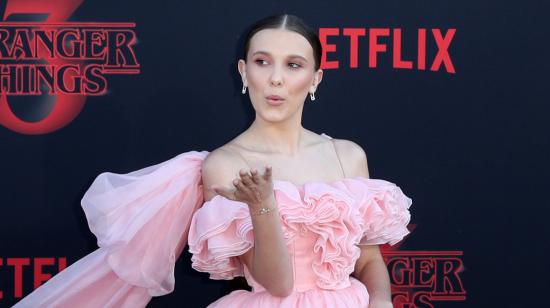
(316, 164)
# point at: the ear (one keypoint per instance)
(317, 77)
(241, 66)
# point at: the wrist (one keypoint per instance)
(262, 208)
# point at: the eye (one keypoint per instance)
(294, 65)
(261, 61)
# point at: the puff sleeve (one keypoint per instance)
(141, 222)
(384, 210)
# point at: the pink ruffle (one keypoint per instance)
(220, 230)
(385, 211)
(343, 214)
(327, 212)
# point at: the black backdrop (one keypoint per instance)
(469, 148)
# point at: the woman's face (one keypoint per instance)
(279, 73)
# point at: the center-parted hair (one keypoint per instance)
(291, 23)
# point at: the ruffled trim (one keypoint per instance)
(385, 211)
(344, 214)
(220, 231)
(328, 212)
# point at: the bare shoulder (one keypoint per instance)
(353, 158)
(220, 167)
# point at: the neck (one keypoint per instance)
(283, 138)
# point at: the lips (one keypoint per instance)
(275, 100)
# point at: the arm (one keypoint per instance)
(370, 268)
(268, 261)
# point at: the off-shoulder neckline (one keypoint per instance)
(278, 183)
(313, 182)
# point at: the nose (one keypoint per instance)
(276, 78)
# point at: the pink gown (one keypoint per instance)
(143, 220)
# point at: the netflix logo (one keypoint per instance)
(366, 46)
(18, 272)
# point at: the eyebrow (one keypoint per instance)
(290, 56)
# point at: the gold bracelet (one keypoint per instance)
(263, 210)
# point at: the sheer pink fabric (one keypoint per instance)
(143, 220)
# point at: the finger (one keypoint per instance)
(268, 173)
(241, 188)
(228, 193)
(246, 178)
(255, 176)
(243, 174)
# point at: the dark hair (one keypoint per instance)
(287, 22)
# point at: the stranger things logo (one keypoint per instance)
(54, 65)
(64, 58)
(424, 279)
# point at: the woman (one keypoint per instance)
(291, 210)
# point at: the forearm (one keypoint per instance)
(376, 278)
(271, 264)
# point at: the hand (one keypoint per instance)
(251, 188)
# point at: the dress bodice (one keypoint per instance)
(301, 249)
(323, 223)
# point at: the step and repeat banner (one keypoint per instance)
(448, 100)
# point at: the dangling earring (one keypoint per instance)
(312, 96)
(243, 91)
